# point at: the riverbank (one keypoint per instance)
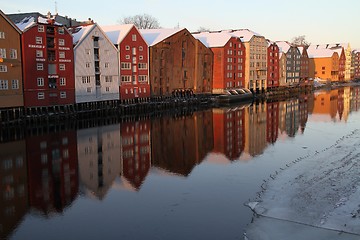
(315, 197)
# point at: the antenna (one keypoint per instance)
(56, 10)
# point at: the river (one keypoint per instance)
(171, 177)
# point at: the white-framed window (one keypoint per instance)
(61, 42)
(39, 53)
(127, 57)
(3, 68)
(134, 69)
(134, 60)
(134, 50)
(15, 84)
(40, 66)
(141, 48)
(142, 66)
(126, 65)
(141, 57)
(61, 54)
(2, 35)
(142, 78)
(107, 65)
(40, 81)
(133, 37)
(87, 65)
(38, 40)
(2, 52)
(85, 79)
(61, 30)
(41, 95)
(62, 94)
(62, 81)
(107, 89)
(125, 78)
(41, 28)
(127, 47)
(13, 53)
(62, 67)
(126, 91)
(4, 84)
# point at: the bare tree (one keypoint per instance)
(144, 21)
(300, 41)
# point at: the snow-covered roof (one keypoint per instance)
(28, 22)
(117, 33)
(320, 53)
(284, 46)
(213, 39)
(301, 49)
(80, 32)
(154, 36)
(244, 34)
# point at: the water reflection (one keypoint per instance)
(43, 173)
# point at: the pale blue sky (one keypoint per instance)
(321, 21)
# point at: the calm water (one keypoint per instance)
(175, 177)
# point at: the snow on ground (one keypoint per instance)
(316, 197)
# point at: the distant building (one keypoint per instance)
(256, 59)
(48, 63)
(96, 65)
(228, 57)
(133, 61)
(272, 65)
(291, 65)
(356, 63)
(304, 64)
(324, 64)
(11, 82)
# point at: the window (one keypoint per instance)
(142, 78)
(108, 78)
(62, 94)
(141, 57)
(62, 67)
(127, 57)
(15, 84)
(142, 66)
(127, 47)
(41, 95)
(134, 51)
(133, 37)
(40, 82)
(107, 65)
(61, 42)
(2, 53)
(2, 35)
(38, 40)
(87, 51)
(125, 65)
(39, 53)
(125, 78)
(88, 89)
(85, 79)
(62, 81)
(61, 30)
(107, 89)
(61, 54)
(3, 68)
(141, 48)
(134, 69)
(13, 54)
(40, 66)
(3, 84)
(87, 65)
(41, 28)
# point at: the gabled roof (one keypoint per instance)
(10, 22)
(245, 34)
(320, 53)
(79, 33)
(213, 39)
(154, 36)
(284, 46)
(117, 33)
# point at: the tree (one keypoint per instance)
(300, 41)
(144, 21)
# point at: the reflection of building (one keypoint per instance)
(135, 146)
(292, 117)
(303, 111)
(178, 61)
(229, 131)
(178, 144)
(229, 59)
(325, 105)
(255, 129)
(52, 171)
(13, 182)
(272, 121)
(354, 99)
(99, 158)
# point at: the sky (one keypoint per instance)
(321, 21)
